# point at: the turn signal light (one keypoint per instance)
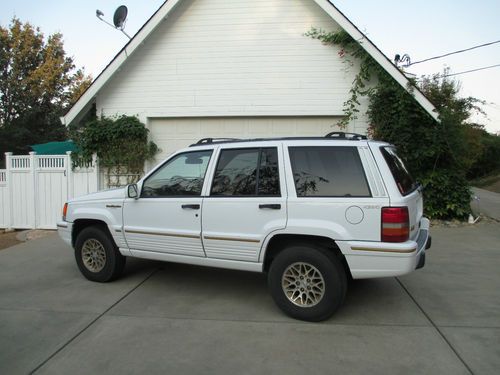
(395, 224)
(65, 210)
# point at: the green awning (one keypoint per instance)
(54, 148)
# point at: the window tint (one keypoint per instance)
(181, 176)
(328, 172)
(406, 183)
(247, 172)
(269, 178)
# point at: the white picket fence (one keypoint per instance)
(34, 188)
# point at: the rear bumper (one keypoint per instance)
(64, 230)
(382, 259)
(421, 259)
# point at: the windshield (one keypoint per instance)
(406, 183)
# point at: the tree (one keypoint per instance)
(439, 154)
(38, 83)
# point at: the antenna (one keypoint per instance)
(119, 19)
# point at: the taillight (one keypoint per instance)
(65, 210)
(395, 224)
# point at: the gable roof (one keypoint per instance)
(86, 100)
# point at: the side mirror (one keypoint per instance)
(132, 191)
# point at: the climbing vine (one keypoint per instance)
(121, 145)
(437, 153)
(369, 69)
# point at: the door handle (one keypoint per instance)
(191, 206)
(270, 206)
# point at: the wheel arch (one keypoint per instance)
(280, 242)
(81, 224)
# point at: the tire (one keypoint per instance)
(97, 256)
(313, 299)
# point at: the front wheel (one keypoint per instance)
(307, 283)
(97, 256)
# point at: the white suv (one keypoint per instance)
(310, 212)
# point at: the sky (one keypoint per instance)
(420, 29)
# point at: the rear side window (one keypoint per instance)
(247, 172)
(328, 172)
(405, 182)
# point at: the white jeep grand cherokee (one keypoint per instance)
(310, 212)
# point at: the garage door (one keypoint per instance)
(172, 134)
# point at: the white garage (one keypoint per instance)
(243, 69)
(175, 133)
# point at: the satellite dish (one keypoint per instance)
(120, 17)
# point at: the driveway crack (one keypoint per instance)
(92, 323)
(435, 326)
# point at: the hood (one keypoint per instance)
(102, 195)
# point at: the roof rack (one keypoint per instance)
(348, 136)
(207, 141)
(333, 136)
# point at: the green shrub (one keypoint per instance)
(121, 142)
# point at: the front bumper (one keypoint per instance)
(64, 229)
(382, 259)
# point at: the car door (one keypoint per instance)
(166, 218)
(246, 202)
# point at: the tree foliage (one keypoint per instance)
(38, 83)
(439, 154)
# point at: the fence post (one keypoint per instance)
(97, 172)
(8, 175)
(35, 186)
(69, 175)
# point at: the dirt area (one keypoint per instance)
(491, 183)
(8, 240)
(13, 238)
(495, 187)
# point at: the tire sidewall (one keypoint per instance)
(333, 275)
(108, 272)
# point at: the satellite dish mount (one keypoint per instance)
(119, 19)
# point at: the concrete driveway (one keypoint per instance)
(486, 203)
(178, 319)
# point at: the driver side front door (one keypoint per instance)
(167, 216)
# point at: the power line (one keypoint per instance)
(456, 74)
(470, 71)
(454, 53)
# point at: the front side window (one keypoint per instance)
(181, 176)
(247, 172)
(328, 172)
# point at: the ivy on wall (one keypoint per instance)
(121, 145)
(438, 154)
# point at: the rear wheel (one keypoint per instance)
(97, 256)
(307, 283)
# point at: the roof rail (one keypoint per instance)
(207, 141)
(348, 136)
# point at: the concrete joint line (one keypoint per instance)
(435, 326)
(92, 323)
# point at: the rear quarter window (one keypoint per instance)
(405, 182)
(329, 171)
